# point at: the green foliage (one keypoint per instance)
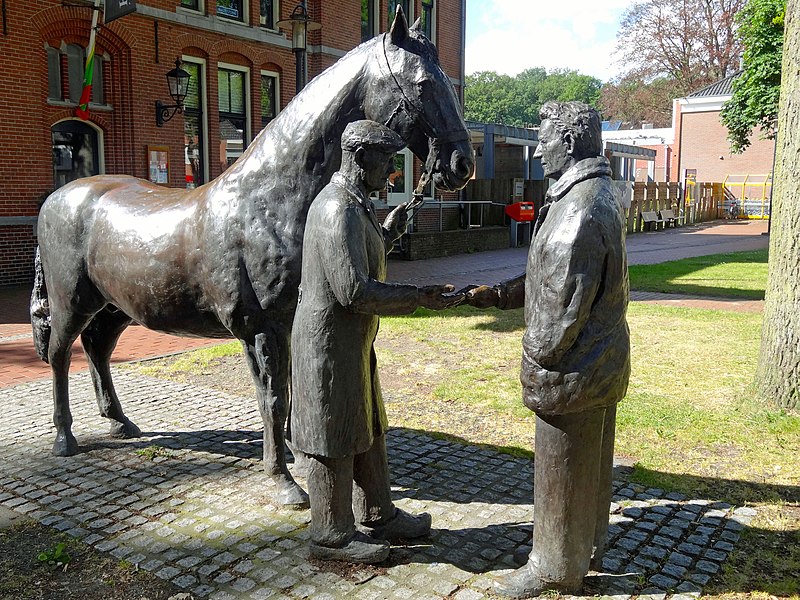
(491, 97)
(635, 101)
(152, 452)
(735, 275)
(757, 90)
(56, 556)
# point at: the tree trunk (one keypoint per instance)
(778, 376)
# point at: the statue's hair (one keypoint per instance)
(578, 119)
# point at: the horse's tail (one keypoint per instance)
(40, 311)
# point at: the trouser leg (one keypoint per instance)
(372, 499)
(330, 484)
(604, 485)
(566, 467)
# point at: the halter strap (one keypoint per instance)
(436, 137)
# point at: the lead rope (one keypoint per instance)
(418, 199)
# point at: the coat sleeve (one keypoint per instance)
(570, 288)
(346, 266)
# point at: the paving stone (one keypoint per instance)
(204, 518)
(663, 581)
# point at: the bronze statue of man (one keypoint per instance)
(576, 350)
(337, 414)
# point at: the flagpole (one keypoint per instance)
(82, 112)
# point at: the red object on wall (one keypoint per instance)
(521, 211)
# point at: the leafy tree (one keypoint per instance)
(757, 90)
(690, 41)
(778, 376)
(670, 48)
(635, 102)
(490, 97)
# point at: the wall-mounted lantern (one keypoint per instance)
(178, 82)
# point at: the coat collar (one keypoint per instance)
(345, 183)
(587, 168)
(364, 201)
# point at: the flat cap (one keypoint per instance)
(371, 135)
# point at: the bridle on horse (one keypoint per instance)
(436, 137)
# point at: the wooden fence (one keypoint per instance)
(703, 202)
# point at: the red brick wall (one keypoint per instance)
(134, 80)
(704, 146)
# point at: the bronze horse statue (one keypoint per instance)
(223, 260)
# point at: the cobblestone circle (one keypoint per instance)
(189, 502)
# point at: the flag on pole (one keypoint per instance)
(82, 112)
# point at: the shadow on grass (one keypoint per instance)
(662, 277)
(500, 321)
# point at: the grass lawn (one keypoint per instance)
(736, 275)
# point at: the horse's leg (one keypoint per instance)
(268, 358)
(66, 326)
(99, 339)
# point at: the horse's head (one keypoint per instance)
(414, 97)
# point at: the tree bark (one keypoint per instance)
(778, 376)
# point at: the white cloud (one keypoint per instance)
(509, 36)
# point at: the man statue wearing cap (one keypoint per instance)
(575, 350)
(337, 414)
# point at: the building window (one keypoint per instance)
(54, 89)
(76, 66)
(194, 135)
(408, 9)
(269, 13)
(191, 4)
(369, 19)
(232, 114)
(428, 19)
(270, 92)
(399, 183)
(232, 9)
(75, 151)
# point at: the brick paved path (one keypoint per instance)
(200, 514)
(19, 363)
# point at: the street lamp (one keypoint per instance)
(178, 83)
(301, 24)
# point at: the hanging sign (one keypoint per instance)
(118, 8)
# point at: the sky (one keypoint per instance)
(509, 36)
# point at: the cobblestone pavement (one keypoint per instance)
(189, 502)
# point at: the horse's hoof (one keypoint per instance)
(125, 429)
(65, 445)
(291, 495)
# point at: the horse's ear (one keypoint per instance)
(416, 24)
(399, 30)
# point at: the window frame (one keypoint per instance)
(63, 54)
(100, 138)
(276, 15)
(397, 198)
(277, 77)
(245, 18)
(204, 156)
(55, 77)
(390, 13)
(201, 7)
(375, 7)
(248, 109)
(432, 4)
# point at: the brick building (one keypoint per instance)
(242, 73)
(702, 151)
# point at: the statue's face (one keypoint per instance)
(553, 150)
(377, 168)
